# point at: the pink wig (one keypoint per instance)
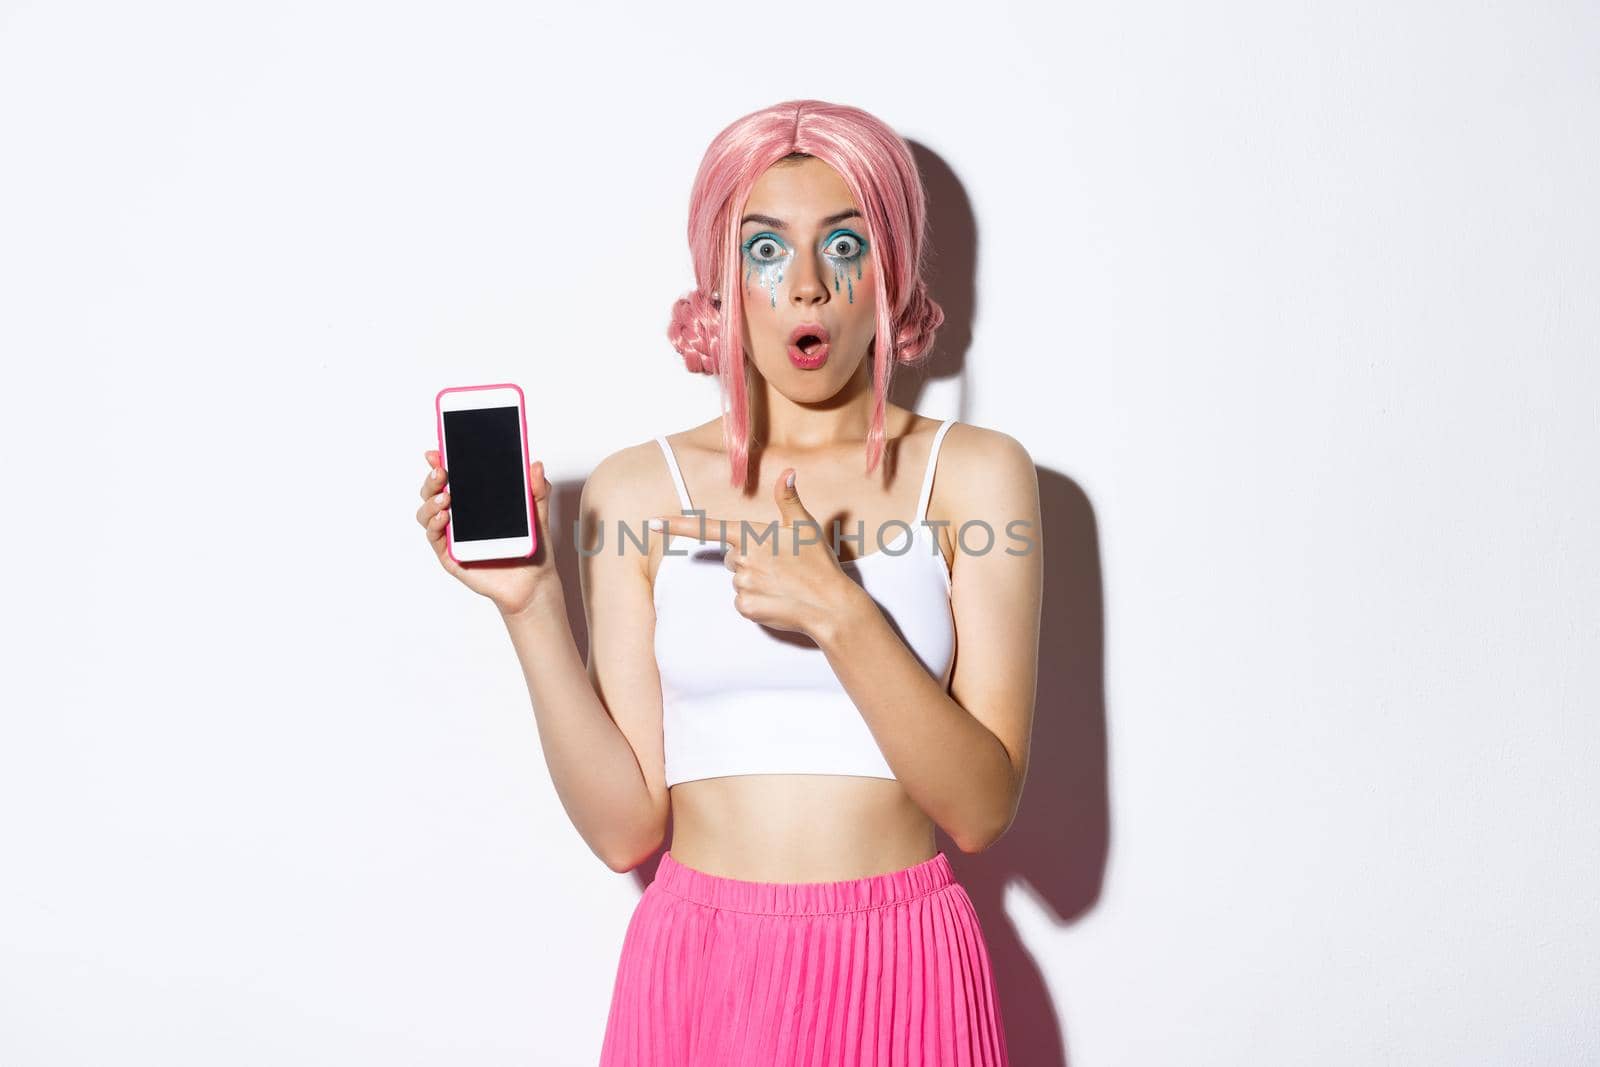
(879, 170)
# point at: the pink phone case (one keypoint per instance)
(522, 412)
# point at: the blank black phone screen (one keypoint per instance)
(483, 456)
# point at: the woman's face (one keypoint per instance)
(807, 268)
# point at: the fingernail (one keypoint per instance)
(656, 524)
(790, 480)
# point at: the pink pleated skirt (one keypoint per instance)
(887, 970)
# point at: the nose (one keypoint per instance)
(807, 287)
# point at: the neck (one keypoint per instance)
(778, 422)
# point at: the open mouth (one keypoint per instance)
(809, 340)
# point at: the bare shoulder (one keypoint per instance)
(626, 487)
(986, 496)
(985, 476)
(973, 455)
(628, 476)
(636, 480)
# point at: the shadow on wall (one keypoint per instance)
(1059, 843)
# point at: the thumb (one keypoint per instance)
(539, 488)
(788, 496)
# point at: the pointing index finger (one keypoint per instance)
(699, 528)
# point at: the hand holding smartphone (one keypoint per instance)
(483, 502)
(483, 443)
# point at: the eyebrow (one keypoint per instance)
(768, 220)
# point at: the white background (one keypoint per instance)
(1293, 304)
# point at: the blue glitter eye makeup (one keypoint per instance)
(766, 255)
(850, 251)
(846, 245)
(764, 248)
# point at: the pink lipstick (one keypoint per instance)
(808, 345)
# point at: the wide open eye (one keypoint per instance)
(765, 248)
(845, 245)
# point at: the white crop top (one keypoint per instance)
(742, 698)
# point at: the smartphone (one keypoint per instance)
(483, 447)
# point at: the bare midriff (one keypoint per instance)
(798, 827)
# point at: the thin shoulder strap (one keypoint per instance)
(677, 475)
(927, 478)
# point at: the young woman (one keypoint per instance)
(807, 675)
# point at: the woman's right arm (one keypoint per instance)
(600, 725)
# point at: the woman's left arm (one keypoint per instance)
(962, 755)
